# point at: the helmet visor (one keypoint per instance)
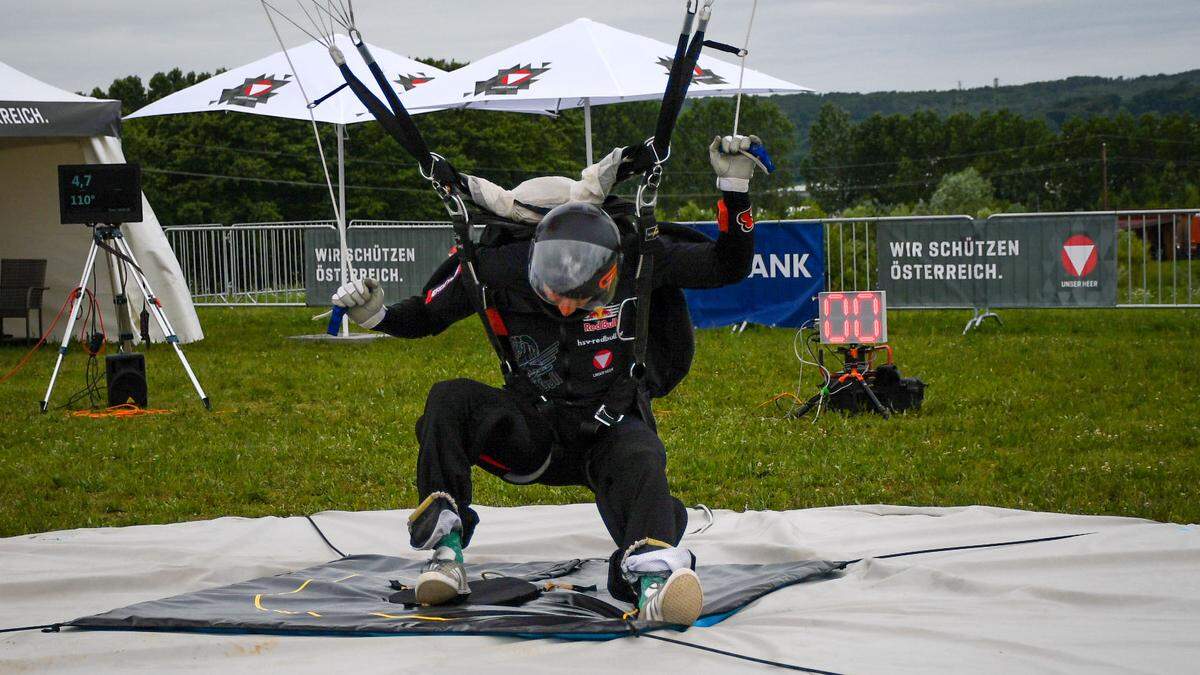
(577, 270)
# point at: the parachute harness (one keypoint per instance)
(622, 397)
(327, 15)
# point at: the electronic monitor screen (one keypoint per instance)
(853, 317)
(100, 193)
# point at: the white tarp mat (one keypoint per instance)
(1124, 599)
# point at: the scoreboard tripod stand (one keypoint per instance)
(121, 264)
(103, 196)
(856, 364)
(854, 325)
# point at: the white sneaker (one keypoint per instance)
(677, 599)
(442, 580)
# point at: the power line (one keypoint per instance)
(277, 181)
(936, 159)
(1042, 168)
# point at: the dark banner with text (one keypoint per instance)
(1025, 261)
(401, 258)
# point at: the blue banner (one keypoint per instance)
(788, 272)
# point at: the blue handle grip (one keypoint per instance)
(335, 321)
(760, 151)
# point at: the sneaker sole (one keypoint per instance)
(683, 598)
(435, 589)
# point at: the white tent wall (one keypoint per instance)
(30, 228)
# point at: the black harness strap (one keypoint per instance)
(406, 135)
(682, 70)
(493, 324)
(622, 397)
(721, 46)
(328, 96)
(398, 123)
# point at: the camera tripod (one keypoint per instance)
(854, 367)
(121, 262)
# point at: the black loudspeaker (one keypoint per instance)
(126, 376)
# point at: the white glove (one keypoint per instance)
(363, 300)
(733, 163)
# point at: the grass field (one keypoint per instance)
(1075, 411)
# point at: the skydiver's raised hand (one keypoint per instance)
(363, 300)
(635, 160)
(731, 160)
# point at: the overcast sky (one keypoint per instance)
(830, 45)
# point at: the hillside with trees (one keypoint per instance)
(1054, 101)
(1040, 146)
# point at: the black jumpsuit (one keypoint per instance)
(571, 362)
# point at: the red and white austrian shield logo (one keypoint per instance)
(1079, 255)
(602, 359)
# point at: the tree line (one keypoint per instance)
(896, 163)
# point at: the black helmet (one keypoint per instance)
(576, 254)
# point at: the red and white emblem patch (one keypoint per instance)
(1079, 255)
(602, 359)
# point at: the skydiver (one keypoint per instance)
(558, 302)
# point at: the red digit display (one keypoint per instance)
(853, 318)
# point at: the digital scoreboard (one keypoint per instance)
(99, 193)
(853, 317)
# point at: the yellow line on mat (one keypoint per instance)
(302, 587)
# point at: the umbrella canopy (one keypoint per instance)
(30, 107)
(268, 86)
(582, 63)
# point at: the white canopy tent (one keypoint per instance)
(271, 87)
(579, 65)
(42, 127)
(268, 86)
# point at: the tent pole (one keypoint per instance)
(587, 126)
(341, 150)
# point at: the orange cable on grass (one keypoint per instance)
(786, 394)
(123, 411)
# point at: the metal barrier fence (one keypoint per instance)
(244, 264)
(1158, 256)
(262, 264)
(401, 224)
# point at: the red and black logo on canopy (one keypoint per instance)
(699, 75)
(412, 80)
(510, 81)
(253, 91)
